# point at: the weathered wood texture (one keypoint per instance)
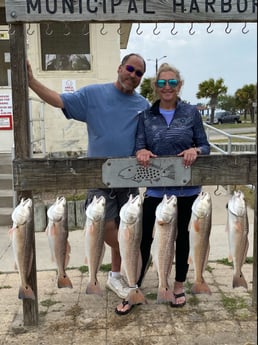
(131, 11)
(22, 146)
(55, 174)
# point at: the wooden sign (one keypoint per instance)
(131, 10)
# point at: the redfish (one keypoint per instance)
(57, 232)
(22, 245)
(238, 229)
(200, 228)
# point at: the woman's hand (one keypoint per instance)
(143, 156)
(189, 156)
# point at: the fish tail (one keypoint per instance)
(64, 282)
(93, 288)
(165, 295)
(136, 297)
(239, 281)
(26, 293)
(201, 288)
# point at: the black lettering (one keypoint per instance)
(254, 6)
(69, 4)
(132, 7)
(32, 6)
(114, 4)
(104, 6)
(226, 6)
(241, 9)
(209, 4)
(48, 9)
(179, 4)
(194, 6)
(145, 8)
(93, 10)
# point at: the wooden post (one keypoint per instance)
(22, 144)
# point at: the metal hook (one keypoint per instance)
(119, 31)
(154, 30)
(173, 28)
(216, 191)
(102, 30)
(208, 29)
(191, 32)
(227, 30)
(11, 30)
(67, 30)
(84, 31)
(243, 29)
(111, 196)
(48, 32)
(29, 31)
(138, 28)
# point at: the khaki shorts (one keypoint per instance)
(115, 199)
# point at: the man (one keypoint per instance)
(111, 113)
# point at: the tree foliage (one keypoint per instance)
(212, 89)
(147, 89)
(246, 98)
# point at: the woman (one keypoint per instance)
(169, 127)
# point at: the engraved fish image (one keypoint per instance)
(152, 173)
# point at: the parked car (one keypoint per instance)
(225, 117)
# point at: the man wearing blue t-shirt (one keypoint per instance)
(110, 112)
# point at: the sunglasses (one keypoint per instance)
(131, 69)
(163, 82)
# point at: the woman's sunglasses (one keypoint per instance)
(131, 69)
(171, 82)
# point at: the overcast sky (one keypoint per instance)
(200, 56)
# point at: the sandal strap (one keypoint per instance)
(178, 295)
(124, 302)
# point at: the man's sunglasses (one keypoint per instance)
(131, 69)
(171, 82)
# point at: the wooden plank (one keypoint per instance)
(22, 146)
(59, 174)
(131, 11)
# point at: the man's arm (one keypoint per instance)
(49, 96)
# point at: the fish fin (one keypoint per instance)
(93, 288)
(26, 293)
(64, 282)
(67, 255)
(196, 225)
(201, 288)
(190, 260)
(239, 281)
(165, 295)
(136, 296)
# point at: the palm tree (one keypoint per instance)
(246, 98)
(212, 89)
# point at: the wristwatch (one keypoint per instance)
(198, 150)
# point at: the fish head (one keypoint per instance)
(57, 211)
(167, 209)
(131, 210)
(237, 204)
(96, 208)
(202, 205)
(22, 212)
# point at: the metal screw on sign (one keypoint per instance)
(243, 30)
(13, 14)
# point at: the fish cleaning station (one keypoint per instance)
(51, 174)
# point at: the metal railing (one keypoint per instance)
(229, 137)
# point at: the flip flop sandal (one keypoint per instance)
(127, 311)
(178, 305)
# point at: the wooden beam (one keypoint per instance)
(55, 174)
(22, 146)
(131, 11)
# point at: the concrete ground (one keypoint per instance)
(70, 317)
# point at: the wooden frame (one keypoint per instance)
(237, 169)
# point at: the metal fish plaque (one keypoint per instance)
(161, 172)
